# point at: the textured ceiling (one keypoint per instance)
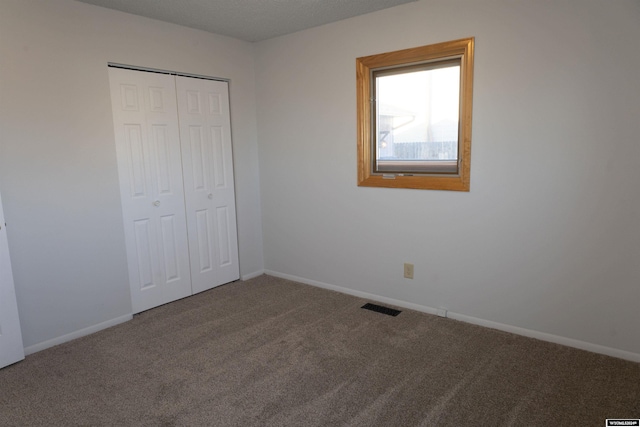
(251, 20)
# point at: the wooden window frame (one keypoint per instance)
(435, 53)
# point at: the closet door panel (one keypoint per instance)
(205, 130)
(11, 347)
(152, 192)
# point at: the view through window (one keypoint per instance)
(417, 115)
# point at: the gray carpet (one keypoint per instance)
(269, 352)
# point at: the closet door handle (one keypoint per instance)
(210, 196)
(156, 203)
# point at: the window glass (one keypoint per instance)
(417, 113)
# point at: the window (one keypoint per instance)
(414, 117)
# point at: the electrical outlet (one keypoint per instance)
(408, 270)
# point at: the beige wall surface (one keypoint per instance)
(58, 170)
(547, 239)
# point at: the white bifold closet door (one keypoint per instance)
(11, 348)
(205, 133)
(173, 142)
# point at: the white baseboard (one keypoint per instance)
(104, 325)
(77, 334)
(569, 342)
(250, 276)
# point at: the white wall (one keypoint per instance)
(58, 171)
(548, 238)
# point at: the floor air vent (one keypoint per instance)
(381, 309)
